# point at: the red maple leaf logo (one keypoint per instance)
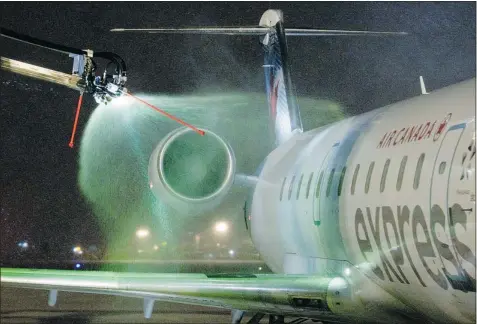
(441, 127)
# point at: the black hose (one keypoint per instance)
(89, 79)
(61, 48)
(113, 57)
(39, 42)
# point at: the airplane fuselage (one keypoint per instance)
(386, 197)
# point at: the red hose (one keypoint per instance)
(78, 109)
(180, 121)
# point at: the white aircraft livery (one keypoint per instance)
(368, 220)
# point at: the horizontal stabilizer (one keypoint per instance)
(256, 31)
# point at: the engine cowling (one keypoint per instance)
(191, 173)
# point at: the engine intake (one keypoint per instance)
(191, 173)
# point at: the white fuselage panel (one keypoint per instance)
(390, 193)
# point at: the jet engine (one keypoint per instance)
(191, 173)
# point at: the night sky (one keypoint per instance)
(40, 196)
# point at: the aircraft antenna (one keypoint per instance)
(423, 86)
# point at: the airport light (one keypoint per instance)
(156, 247)
(347, 272)
(221, 227)
(231, 253)
(23, 245)
(142, 233)
(78, 250)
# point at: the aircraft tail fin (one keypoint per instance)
(285, 119)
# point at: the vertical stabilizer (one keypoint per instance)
(285, 117)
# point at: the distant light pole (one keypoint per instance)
(197, 241)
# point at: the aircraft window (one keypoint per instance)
(309, 185)
(340, 186)
(368, 177)
(330, 181)
(384, 175)
(442, 167)
(402, 168)
(355, 177)
(290, 189)
(318, 185)
(299, 186)
(417, 174)
(283, 186)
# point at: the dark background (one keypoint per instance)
(39, 197)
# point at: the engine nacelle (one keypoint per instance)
(191, 173)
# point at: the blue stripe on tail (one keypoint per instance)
(285, 117)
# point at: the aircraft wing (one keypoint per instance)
(295, 295)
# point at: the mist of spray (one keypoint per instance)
(119, 138)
